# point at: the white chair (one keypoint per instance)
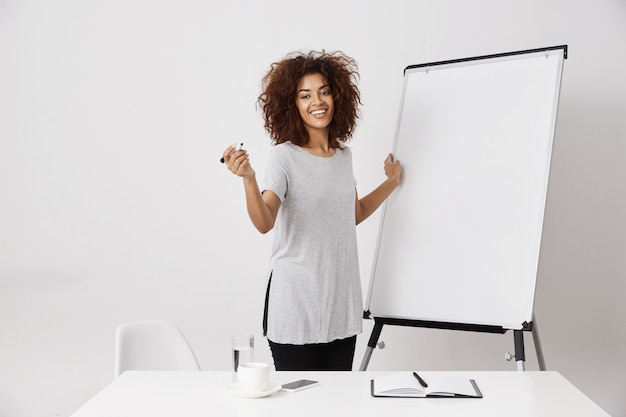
(152, 345)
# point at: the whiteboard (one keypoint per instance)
(459, 239)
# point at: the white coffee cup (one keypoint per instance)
(253, 376)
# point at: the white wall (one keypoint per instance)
(113, 206)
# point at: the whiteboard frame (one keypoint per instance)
(560, 53)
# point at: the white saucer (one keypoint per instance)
(271, 388)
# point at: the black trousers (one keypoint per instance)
(334, 356)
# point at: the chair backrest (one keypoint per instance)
(152, 345)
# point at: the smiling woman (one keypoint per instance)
(313, 304)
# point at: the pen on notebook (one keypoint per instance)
(421, 381)
(238, 147)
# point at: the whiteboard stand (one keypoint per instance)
(518, 337)
(459, 240)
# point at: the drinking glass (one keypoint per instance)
(243, 351)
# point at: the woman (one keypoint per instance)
(313, 307)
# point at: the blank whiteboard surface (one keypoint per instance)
(460, 237)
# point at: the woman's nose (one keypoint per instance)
(317, 99)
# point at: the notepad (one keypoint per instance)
(404, 384)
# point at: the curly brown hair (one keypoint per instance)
(278, 99)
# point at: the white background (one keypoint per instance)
(114, 207)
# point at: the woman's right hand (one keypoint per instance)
(238, 162)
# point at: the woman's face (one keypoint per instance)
(315, 102)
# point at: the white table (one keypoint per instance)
(190, 394)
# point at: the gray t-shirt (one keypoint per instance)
(315, 293)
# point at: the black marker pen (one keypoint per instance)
(421, 381)
(238, 147)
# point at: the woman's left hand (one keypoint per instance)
(393, 169)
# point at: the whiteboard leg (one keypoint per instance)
(371, 344)
(520, 355)
(538, 350)
(366, 358)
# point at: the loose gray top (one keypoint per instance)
(315, 294)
